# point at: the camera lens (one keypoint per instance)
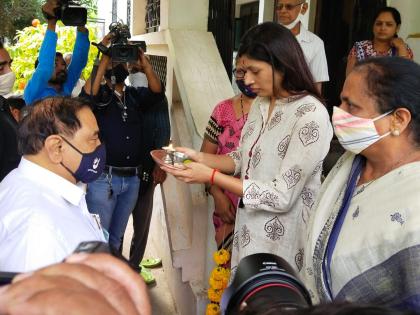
(263, 281)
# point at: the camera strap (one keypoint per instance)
(355, 171)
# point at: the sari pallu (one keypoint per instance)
(377, 253)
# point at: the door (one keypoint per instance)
(340, 24)
(221, 24)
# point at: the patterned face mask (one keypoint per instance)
(355, 133)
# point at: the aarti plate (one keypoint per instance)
(159, 157)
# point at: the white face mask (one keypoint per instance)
(138, 79)
(355, 133)
(294, 23)
(6, 82)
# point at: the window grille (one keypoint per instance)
(159, 66)
(152, 16)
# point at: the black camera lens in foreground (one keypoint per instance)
(264, 281)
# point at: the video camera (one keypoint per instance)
(121, 49)
(71, 13)
(264, 282)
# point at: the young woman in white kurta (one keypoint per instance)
(280, 162)
(281, 150)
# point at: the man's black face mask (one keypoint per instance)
(120, 73)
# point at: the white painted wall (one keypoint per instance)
(410, 22)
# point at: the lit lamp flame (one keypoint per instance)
(170, 150)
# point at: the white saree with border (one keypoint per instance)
(377, 254)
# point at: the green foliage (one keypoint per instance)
(91, 6)
(28, 43)
(16, 14)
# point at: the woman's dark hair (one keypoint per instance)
(395, 14)
(49, 116)
(394, 83)
(273, 43)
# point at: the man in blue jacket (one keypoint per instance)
(51, 76)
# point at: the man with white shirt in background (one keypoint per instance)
(289, 14)
(43, 212)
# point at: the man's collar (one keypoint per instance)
(304, 35)
(61, 186)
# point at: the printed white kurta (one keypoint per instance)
(280, 162)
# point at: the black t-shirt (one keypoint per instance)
(122, 135)
(9, 157)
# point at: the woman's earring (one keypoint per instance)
(395, 132)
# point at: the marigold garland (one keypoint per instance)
(218, 281)
(213, 309)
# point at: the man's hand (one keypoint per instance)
(49, 7)
(106, 41)
(143, 62)
(87, 284)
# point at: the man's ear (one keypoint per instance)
(15, 113)
(304, 8)
(54, 148)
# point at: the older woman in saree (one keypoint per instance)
(364, 240)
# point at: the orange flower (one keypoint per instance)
(21, 85)
(213, 309)
(216, 284)
(220, 273)
(35, 22)
(214, 295)
(221, 257)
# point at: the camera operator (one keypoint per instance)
(51, 76)
(9, 156)
(118, 109)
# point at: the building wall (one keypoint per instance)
(410, 22)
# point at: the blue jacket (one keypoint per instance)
(38, 86)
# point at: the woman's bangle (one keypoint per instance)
(212, 176)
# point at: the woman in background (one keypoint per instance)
(222, 136)
(385, 42)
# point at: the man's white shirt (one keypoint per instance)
(43, 217)
(314, 51)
